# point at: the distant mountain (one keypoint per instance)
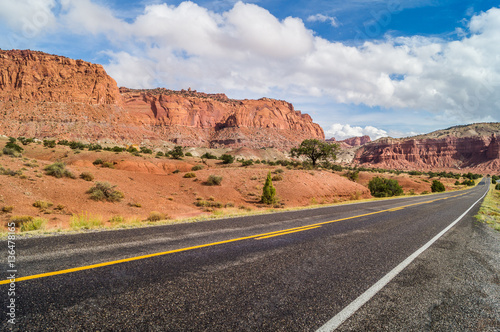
(474, 147)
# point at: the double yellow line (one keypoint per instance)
(256, 237)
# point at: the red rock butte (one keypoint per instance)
(50, 96)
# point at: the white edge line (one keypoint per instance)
(348, 311)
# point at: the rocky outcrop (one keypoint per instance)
(357, 141)
(40, 77)
(46, 95)
(449, 152)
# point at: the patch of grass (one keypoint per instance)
(104, 191)
(58, 170)
(489, 212)
(117, 219)
(87, 176)
(98, 162)
(197, 167)
(20, 220)
(108, 164)
(34, 225)
(189, 175)
(84, 220)
(135, 204)
(208, 204)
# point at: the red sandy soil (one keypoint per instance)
(152, 184)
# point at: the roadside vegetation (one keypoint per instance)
(489, 212)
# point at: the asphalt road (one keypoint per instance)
(290, 271)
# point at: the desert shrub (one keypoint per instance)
(12, 149)
(58, 170)
(268, 192)
(7, 209)
(156, 216)
(437, 186)
(176, 171)
(84, 220)
(42, 205)
(197, 167)
(160, 154)
(189, 175)
(227, 159)
(248, 162)
(116, 219)
(145, 150)
(277, 178)
(87, 176)
(98, 162)
(381, 187)
(208, 204)
(177, 153)
(49, 143)
(352, 175)
(34, 224)
(188, 154)
(208, 155)
(77, 145)
(25, 141)
(278, 171)
(94, 147)
(469, 182)
(108, 164)
(497, 187)
(495, 178)
(20, 220)
(457, 183)
(214, 180)
(104, 191)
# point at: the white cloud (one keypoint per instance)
(28, 17)
(343, 131)
(246, 50)
(323, 18)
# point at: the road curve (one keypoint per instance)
(290, 271)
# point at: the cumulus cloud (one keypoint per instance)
(323, 18)
(343, 131)
(246, 50)
(28, 17)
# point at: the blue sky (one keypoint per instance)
(357, 67)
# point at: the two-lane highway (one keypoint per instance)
(290, 271)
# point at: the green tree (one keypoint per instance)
(177, 153)
(381, 187)
(437, 186)
(227, 159)
(315, 150)
(269, 192)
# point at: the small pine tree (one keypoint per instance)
(268, 192)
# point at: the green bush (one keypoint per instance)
(33, 225)
(116, 219)
(197, 167)
(188, 154)
(268, 192)
(7, 209)
(437, 186)
(227, 159)
(277, 178)
(20, 220)
(58, 170)
(87, 176)
(104, 191)
(145, 150)
(189, 175)
(248, 162)
(469, 182)
(381, 187)
(108, 164)
(159, 154)
(49, 144)
(214, 180)
(497, 187)
(208, 155)
(352, 175)
(98, 162)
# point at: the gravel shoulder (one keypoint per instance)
(453, 286)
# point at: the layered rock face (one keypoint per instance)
(40, 77)
(45, 96)
(476, 152)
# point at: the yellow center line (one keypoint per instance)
(284, 233)
(257, 236)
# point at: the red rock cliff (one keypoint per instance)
(478, 152)
(52, 96)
